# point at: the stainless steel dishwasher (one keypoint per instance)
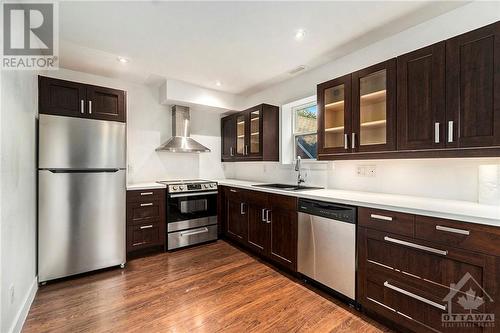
(327, 245)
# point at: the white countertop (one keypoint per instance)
(449, 209)
(144, 186)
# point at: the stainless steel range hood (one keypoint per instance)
(180, 142)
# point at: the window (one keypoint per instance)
(305, 130)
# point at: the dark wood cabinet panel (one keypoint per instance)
(145, 236)
(374, 108)
(251, 135)
(237, 217)
(421, 98)
(257, 228)
(395, 222)
(228, 137)
(73, 99)
(473, 88)
(106, 103)
(61, 98)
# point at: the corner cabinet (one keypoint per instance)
(357, 112)
(73, 99)
(251, 135)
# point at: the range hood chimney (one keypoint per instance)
(181, 142)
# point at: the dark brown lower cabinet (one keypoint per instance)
(425, 286)
(264, 223)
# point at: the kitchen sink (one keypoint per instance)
(288, 187)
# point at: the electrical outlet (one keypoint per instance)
(371, 170)
(11, 294)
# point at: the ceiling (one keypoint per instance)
(247, 46)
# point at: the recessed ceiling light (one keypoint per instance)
(218, 83)
(299, 34)
(122, 60)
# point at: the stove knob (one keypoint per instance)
(181, 188)
(212, 185)
(205, 185)
(174, 188)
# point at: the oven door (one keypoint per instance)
(197, 206)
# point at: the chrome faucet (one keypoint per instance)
(300, 180)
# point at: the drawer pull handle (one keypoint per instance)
(234, 191)
(415, 246)
(412, 295)
(194, 232)
(147, 204)
(146, 193)
(453, 230)
(381, 217)
(140, 243)
(147, 226)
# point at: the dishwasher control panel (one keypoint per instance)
(329, 210)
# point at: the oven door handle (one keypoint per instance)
(195, 232)
(182, 195)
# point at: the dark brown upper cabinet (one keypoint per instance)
(72, 99)
(374, 108)
(228, 137)
(473, 88)
(251, 135)
(421, 98)
(334, 116)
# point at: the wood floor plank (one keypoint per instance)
(209, 288)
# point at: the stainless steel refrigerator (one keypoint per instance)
(81, 195)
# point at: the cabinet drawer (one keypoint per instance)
(282, 202)
(468, 236)
(145, 195)
(236, 193)
(394, 222)
(192, 236)
(145, 235)
(141, 212)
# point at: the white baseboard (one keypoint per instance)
(22, 314)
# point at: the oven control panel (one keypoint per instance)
(198, 187)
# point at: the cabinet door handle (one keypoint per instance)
(415, 246)
(146, 193)
(263, 215)
(231, 151)
(381, 217)
(414, 296)
(82, 106)
(90, 107)
(450, 131)
(346, 141)
(246, 149)
(268, 219)
(353, 140)
(147, 226)
(147, 204)
(242, 208)
(436, 132)
(453, 230)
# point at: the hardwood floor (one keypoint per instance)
(209, 288)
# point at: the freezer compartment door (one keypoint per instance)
(77, 143)
(81, 222)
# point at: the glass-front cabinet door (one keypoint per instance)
(255, 132)
(334, 107)
(241, 134)
(374, 108)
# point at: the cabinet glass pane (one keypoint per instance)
(373, 113)
(254, 132)
(334, 117)
(240, 135)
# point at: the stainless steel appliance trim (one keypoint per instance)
(381, 217)
(175, 240)
(450, 131)
(147, 204)
(90, 107)
(147, 226)
(194, 232)
(82, 106)
(193, 223)
(436, 132)
(192, 194)
(453, 230)
(146, 193)
(416, 246)
(415, 296)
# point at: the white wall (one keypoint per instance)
(438, 178)
(149, 125)
(18, 112)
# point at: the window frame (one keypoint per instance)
(294, 109)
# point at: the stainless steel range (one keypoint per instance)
(191, 212)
